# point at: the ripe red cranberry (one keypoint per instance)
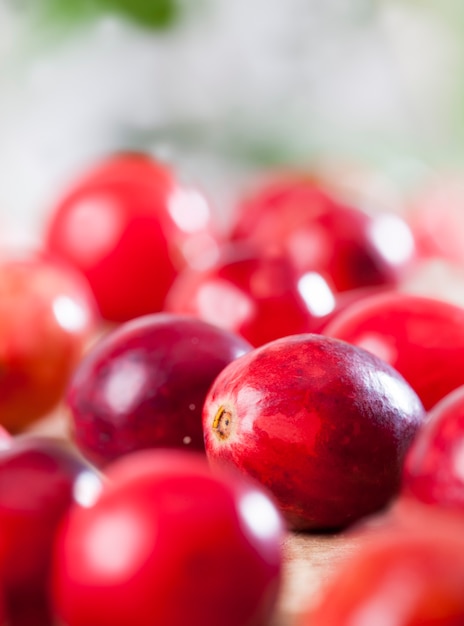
(297, 217)
(47, 316)
(399, 577)
(421, 337)
(344, 300)
(437, 218)
(257, 297)
(322, 424)
(144, 385)
(39, 479)
(129, 225)
(434, 467)
(169, 542)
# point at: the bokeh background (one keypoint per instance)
(225, 89)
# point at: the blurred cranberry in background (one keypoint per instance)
(434, 467)
(298, 217)
(39, 479)
(47, 317)
(423, 338)
(258, 297)
(436, 215)
(129, 226)
(400, 577)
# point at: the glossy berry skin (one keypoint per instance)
(47, 317)
(39, 479)
(297, 217)
(129, 225)
(421, 337)
(433, 468)
(168, 542)
(257, 297)
(400, 578)
(321, 424)
(144, 385)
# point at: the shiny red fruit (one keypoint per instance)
(297, 217)
(321, 424)
(39, 479)
(257, 297)
(423, 338)
(144, 385)
(399, 578)
(434, 468)
(169, 543)
(129, 225)
(47, 317)
(437, 218)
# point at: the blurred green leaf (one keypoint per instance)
(155, 14)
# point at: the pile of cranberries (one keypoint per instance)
(221, 389)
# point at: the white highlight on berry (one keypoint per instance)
(116, 543)
(87, 489)
(316, 293)
(69, 314)
(189, 210)
(125, 384)
(260, 515)
(393, 237)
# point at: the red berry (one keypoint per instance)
(144, 385)
(434, 468)
(399, 578)
(39, 479)
(323, 425)
(297, 217)
(129, 225)
(423, 338)
(47, 316)
(259, 298)
(170, 543)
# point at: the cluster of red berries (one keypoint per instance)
(271, 378)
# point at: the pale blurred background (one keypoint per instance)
(224, 89)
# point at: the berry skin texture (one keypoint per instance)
(129, 226)
(323, 425)
(169, 542)
(144, 384)
(423, 338)
(433, 467)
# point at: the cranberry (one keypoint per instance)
(129, 225)
(296, 216)
(39, 479)
(433, 471)
(47, 316)
(423, 338)
(168, 542)
(399, 578)
(436, 217)
(322, 424)
(259, 298)
(144, 385)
